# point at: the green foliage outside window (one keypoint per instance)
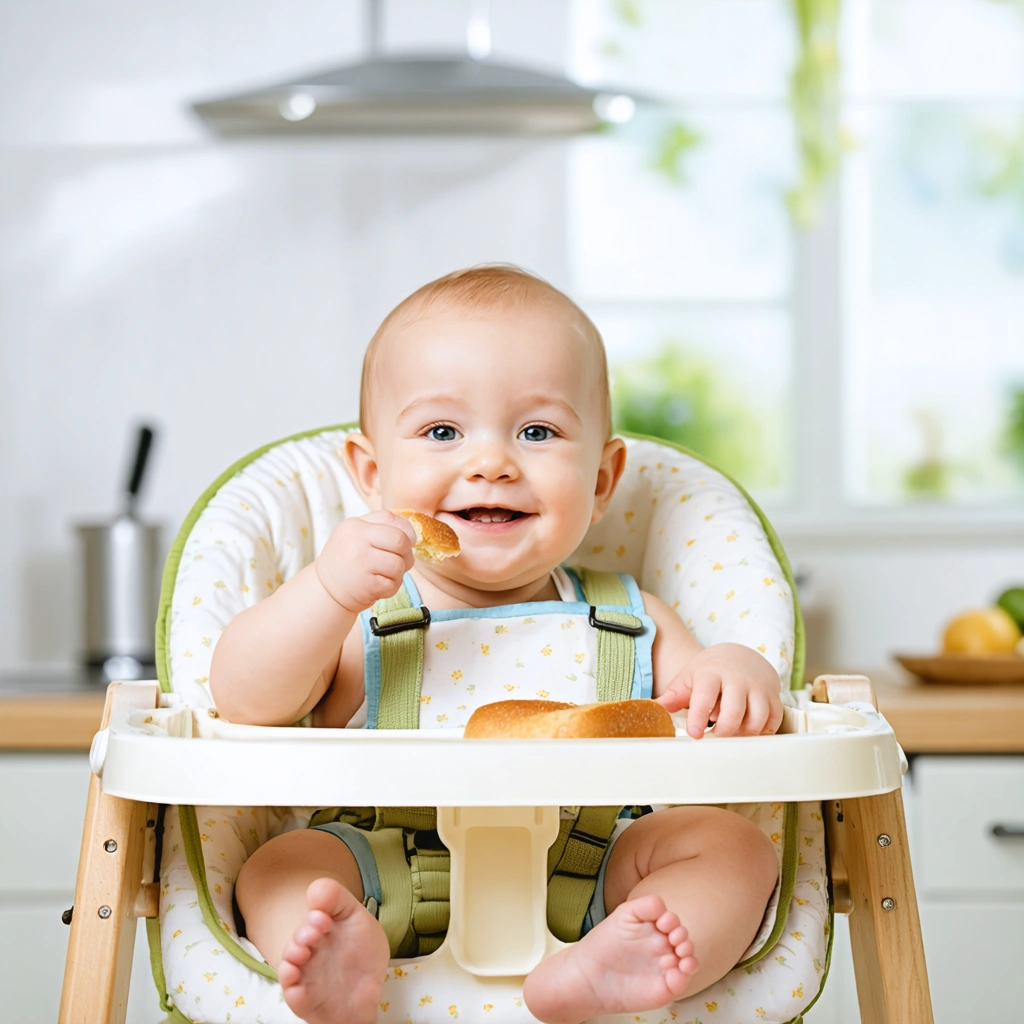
(1013, 437)
(681, 397)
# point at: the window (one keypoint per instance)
(871, 359)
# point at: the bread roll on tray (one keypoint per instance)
(552, 719)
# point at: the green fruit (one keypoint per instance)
(1012, 602)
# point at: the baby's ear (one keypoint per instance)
(361, 463)
(609, 473)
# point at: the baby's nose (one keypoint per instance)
(490, 461)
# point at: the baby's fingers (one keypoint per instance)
(702, 703)
(389, 519)
(677, 696)
(758, 710)
(730, 717)
(775, 715)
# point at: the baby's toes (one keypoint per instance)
(688, 964)
(684, 949)
(288, 974)
(648, 908)
(320, 921)
(678, 935)
(676, 981)
(667, 923)
(296, 953)
(308, 935)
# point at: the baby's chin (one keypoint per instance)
(479, 575)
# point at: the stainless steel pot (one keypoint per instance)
(121, 577)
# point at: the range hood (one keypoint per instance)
(463, 93)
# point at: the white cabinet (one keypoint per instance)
(970, 886)
(42, 807)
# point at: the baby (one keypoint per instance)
(485, 404)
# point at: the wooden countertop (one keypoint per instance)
(927, 718)
(49, 721)
(942, 718)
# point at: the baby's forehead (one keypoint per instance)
(549, 337)
(512, 350)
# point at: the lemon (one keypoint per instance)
(982, 631)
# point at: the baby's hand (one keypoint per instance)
(731, 685)
(365, 559)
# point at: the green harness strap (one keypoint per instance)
(616, 651)
(401, 661)
(574, 859)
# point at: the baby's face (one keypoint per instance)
(494, 424)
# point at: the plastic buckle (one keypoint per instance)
(613, 627)
(399, 627)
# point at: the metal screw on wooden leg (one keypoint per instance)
(888, 903)
(104, 912)
(884, 840)
(66, 916)
(110, 846)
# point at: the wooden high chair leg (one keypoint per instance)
(109, 895)
(868, 837)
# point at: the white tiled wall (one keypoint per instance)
(226, 291)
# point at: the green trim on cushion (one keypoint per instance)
(796, 677)
(197, 866)
(163, 667)
(787, 875)
(156, 963)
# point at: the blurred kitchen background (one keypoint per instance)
(832, 309)
(807, 260)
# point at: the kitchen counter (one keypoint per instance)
(62, 712)
(942, 718)
(50, 710)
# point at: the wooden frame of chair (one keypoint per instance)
(869, 863)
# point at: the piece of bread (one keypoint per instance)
(552, 719)
(435, 541)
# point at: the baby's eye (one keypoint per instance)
(443, 432)
(536, 432)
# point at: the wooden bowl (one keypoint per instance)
(965, 668)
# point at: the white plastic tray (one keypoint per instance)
(180, 755)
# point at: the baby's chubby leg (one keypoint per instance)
(301, 897)
(685, 890)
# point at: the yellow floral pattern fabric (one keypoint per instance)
(468, 662)
(682, 530)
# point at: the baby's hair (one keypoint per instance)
(485, 288)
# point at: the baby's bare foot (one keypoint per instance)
(638, 958)
(332, 970)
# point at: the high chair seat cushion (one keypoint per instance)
(206, 983)
(683, 530)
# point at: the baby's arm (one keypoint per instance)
(277, 659)
(727, 683)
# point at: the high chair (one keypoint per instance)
(180, 797)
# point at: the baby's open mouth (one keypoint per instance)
(489, 515)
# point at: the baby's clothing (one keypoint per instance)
(539, 649)
(545, 650)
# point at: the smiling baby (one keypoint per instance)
(485, 405)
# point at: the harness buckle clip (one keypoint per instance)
(613, 627)
(399, 627)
